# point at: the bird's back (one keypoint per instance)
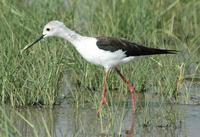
(129, 48)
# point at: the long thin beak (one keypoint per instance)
(28, 46)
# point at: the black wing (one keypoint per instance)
(130, 48)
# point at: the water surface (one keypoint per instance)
(153, 119)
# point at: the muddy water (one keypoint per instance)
(153, 119)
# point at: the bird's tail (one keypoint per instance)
(154, 51)
(163, 51)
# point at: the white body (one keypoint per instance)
(87, 47)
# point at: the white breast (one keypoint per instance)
(88, 49)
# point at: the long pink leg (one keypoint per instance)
(130, 88)
(103, 98)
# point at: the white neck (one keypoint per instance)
(70, 35)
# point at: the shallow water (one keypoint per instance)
(153, 119)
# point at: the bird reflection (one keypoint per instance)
(130, 132)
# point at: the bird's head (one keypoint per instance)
(53, 28)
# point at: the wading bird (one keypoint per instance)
(103, 51)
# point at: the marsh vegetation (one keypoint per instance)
(52, 73)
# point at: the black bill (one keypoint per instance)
(28, 46)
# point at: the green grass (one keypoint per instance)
(35, 77)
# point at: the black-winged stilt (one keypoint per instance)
(104, 51)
